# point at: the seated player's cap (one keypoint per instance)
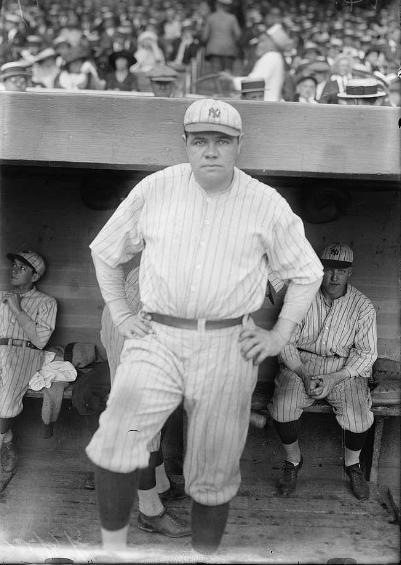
(162, 73)
(337, 256)
(31, 259)
(212, 115)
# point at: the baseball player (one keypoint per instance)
(154, 487)
(209, 235)
(330, 355)
(27, 320)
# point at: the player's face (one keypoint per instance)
(212, 156)
(334, 282)
(21, 274)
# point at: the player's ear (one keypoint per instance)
(35, 277)
(240, 138)
(184, 137)
(349, 272)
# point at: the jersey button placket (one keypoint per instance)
(200, 254)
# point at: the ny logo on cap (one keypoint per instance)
(214, 112)
(334, 251)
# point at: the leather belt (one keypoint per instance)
(17, 342)
(188, 324)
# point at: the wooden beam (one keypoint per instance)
(143, 133)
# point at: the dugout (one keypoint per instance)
(67, 160)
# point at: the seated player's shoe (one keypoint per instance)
(90, 482)
(359, 486)
(175, 492)
(288, 481)
(9, 457)
(165, 524)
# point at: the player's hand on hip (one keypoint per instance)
(257, 344)
(137, 325)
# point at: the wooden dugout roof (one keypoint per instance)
(102, 129)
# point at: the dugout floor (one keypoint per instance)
(46, 514)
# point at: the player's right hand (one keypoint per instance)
(137, 325)
(311, 385)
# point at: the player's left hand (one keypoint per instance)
(257, 344)
(324, 387)
(13, 299)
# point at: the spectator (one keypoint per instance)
(62, 47)
(341, 72)
(252, 89)
(320, 71)
(163, 80)
(362, 92)
(270, 65)
(14, 76)
(79, 73)
(221, 35)
(121, 78)
(45, 69)
(306, 89)
(185, 47)
(148, 53)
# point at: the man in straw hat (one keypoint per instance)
(204, 270)
(27, 320)
(362, 92)
(330, 356)
(14, 76)
(270, 65)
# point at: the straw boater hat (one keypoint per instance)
(13, 69)
(362, 88)
(252, 85)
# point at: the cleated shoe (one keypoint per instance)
(288, 481)
(8, 457)
(359, 486)
(165, 524)
(175, 492)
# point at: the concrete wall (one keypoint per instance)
(42, 209)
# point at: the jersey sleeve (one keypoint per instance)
(121, 237)
(290, 255)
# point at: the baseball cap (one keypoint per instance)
(337, 255)
(30, 258)
(212, 115)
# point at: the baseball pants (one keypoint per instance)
(206, 368)
(350, 399)
(17, 367)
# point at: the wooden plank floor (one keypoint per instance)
(46, 513)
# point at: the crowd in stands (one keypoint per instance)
(272, 50)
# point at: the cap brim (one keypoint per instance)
(13, 256)
(196, 128)
(335, 264)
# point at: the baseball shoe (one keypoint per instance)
(89, 483)
(165, 524)
(175, 492)
(288, 481)
(359, 486)
(8, 457)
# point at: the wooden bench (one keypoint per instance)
(386, 403)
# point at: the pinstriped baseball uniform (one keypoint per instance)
(330, 338)
(19, 364)
(204, 257)
(113, 341)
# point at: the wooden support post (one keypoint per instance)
(377, 442)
